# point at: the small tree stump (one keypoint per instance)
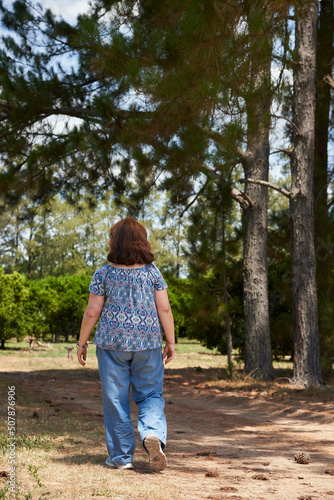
(69, 352)
(42, 346)
(31, 341)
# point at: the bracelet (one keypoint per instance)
(81, 346)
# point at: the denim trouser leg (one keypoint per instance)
(114, 368)
(145, 370)
(147, 374)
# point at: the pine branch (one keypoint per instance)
(288, 151)
(194, 199)
(268, 184)
(291, 123)
(328, 79)
(330, 203)
(211, 173)
(242, 198)
(119, 115)
(244, 156)
(78, 112)
(284, 60)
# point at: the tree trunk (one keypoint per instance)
(324, 237)
(17, 233)
(227, 315)
(54, 335)
(307, 370)
(2, 346)
(258, 355)
(322, 108)
(228, 324)
(177, 269)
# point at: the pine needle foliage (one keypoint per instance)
(131, 91)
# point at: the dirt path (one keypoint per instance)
(221, 444)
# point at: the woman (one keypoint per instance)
(129, 296)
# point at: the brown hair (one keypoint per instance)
(128, 243)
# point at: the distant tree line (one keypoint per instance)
(47, 302)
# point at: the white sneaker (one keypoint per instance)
(113, 465)
(158, 460)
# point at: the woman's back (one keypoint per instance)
(129, 319)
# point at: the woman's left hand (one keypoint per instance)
(81, 355)
(169, 352)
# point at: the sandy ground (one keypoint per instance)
(222, 443)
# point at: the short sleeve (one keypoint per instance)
(159, 282)
(97, 283)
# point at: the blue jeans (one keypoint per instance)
(145, 370)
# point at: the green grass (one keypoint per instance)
(57, 350)
(183, 346)
(22, 349)
(189, 354)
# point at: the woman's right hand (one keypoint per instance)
(82, 352)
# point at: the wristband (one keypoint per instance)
(81, 346)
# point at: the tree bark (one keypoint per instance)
(227, 315)
(258, 355)
(323, 68)
(228, 324)
(54, 335)
(307, 370)
(324, 239)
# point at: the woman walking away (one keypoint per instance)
(129, 296)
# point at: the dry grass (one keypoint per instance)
(62, 455)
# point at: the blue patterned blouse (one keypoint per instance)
(129, 319)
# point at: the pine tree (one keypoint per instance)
(307, 369)
(258, 356)
(324, 228)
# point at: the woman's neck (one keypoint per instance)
(123, 266)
